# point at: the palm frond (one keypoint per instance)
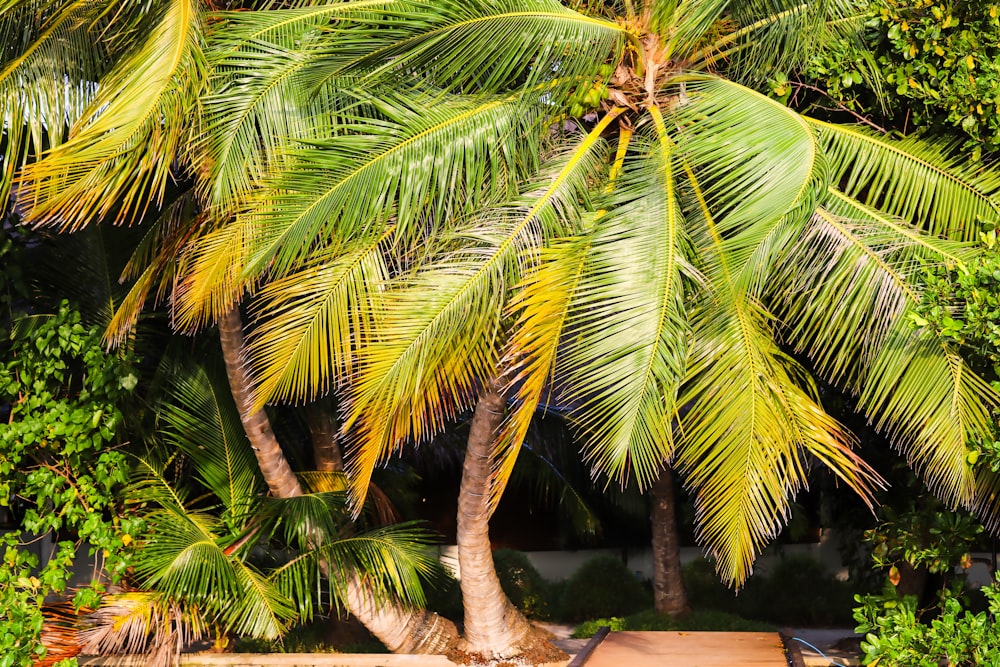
(153, 265)
(313, 322)
(199, 418)
(753, 418)
(765, 36)
(844, 284)
(351, 186)
(924, 182)
(453, 43)
(987, 500)
(182, 559)
(438, 334)
(142, 622)
(119, 156)
(262, 98)
(51, 58)
(391, 561)
(754, 183)
(931, 404)
(209, 272)
(622, 352)
(684, 23)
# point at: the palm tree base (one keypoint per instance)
(536, 648)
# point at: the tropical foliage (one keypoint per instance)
(516, 245)
(895, 636)
(206, 526)
(63, 403)
(583, 206)
(924, 66)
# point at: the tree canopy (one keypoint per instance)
(589, 206)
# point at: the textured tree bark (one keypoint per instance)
(280, 478)
(493, 626)
(669, 596)
(323, 433)
(402, 630)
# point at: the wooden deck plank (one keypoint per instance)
(690, 649)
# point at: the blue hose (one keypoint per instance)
(821, 654)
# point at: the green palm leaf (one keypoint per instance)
(911, 179)
(352, 186)
(153, 265)
(987, 500)
(847, 280)
(931, 404)
(262, 97)
(684, 23)
(453, 43)
(181, 557)
(753, 418)
(749, 178)
(393, 559)
(775, 35)
(119, 156)
(40, 86)
(200, 420)
(437, 337)
(624, 346)
(313, 322)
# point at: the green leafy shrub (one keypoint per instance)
(895, 637)
(522, 583)
(935, 64)
(444, 594)
(798, 590)
(705, 590)
(63, 399)
(701, 620)
(602, 587)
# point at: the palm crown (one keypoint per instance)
(402, 192)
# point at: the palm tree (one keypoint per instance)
(431, 207)
(111, 92)
(204, 519)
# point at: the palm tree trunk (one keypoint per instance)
(669, 596)
(280, 478)
(401, 630)
(323, 434)
(493, 626)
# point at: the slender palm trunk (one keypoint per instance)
(323, 434)
(402, 630)
(669, 596)
(493, 626)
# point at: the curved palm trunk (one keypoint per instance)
(493, 626)
(669, 596)
(401, 630)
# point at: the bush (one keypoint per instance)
(602, 587)
(444, 594)
(801, 591)
(704, 620)
(798, 591)
(705, 590)
(522, 583)
(894, 636)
